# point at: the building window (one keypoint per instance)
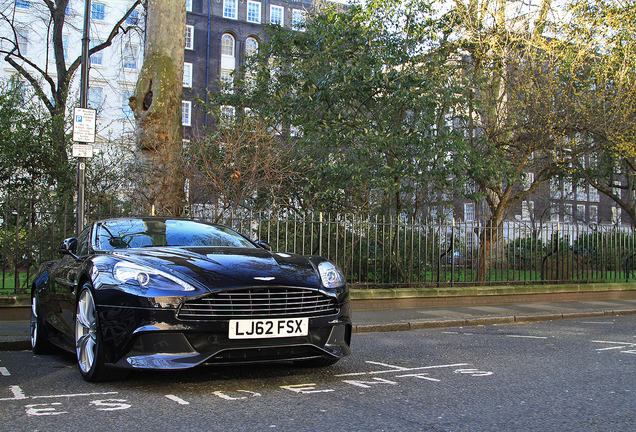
(469, 212)
(593, 214)
(526, 180)
(188, 5)
(254, 12)
(298, 19)
(227, 115)
(23, 4)
(126, 111)
(96, 99)
(580, 212)
(527, 210)
(189, 37)
(567, 213)
(568, 190)
(616, 215)
(23, 42)
(97, 59)
(554, 213)
(130, 57)
(594, 197)
(251, 46)
(227, 80)
(276, 14)
(133, 18)
(187, 75)
(227, 45)
(229, 9)
(581, 195)
(98, 12)
(186, 113)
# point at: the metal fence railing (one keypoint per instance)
(374, 252)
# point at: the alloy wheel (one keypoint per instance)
(86, 331)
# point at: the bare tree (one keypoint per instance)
(241, 166)
(50, 85)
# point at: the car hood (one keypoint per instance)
(214, 268)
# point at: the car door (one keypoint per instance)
(64, 289)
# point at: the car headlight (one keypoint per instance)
(147, 277)
(330, 275)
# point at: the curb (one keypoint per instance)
(481, 321)
(15, 343)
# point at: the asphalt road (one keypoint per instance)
(566, 375)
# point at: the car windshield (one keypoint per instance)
(137, 233)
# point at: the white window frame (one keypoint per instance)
(233, 54)
(96, 59)
(188, 5)
(133, 18)
(186, 113)
(227, 79)
(101, 14)
(554, 213)
(280, 9)
(254, 8)
(580, 212)
(594, 195)
(247, 42)
(187, 74)
(227, 115)
(527, 210)
(189, 37)
(567, 213)
(126, 111)
(299, 18)
(96, 103)
(230, 9)
(130, 52)
(469, 212)
(593, 214)
(22, 37)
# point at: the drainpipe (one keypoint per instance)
(207, 65)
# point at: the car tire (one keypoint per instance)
(39, 336)
(88, 345)
(317, 362)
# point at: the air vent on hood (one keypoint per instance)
(259, 302)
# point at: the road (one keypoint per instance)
(567, 375)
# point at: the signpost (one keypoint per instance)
(83, 124)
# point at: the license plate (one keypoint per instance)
(268, 328)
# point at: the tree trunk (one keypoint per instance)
(157, 103)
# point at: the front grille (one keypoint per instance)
(259, 302)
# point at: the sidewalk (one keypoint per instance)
(14, 335)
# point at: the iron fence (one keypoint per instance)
(373, 252)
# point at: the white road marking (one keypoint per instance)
(33, 410)
(368, 384)
(305, 388)
(420, 376)
(527, 337)
(402, 369)
(4, 371)
(18, 394)
(177, 400)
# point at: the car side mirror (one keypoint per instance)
(68, 246)
(264, 245)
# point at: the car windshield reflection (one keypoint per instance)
(139, 233)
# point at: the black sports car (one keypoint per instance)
(155, 293)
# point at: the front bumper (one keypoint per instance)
(142, 338)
